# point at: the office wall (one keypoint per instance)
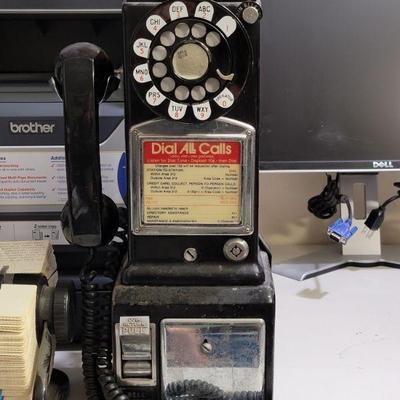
(284, 218)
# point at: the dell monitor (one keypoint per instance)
(331, 102)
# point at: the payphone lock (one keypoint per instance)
(236, 250)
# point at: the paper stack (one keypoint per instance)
(18, 343)
(29, 257)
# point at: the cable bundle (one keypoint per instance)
(324, 205)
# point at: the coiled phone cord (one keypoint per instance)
(106, 377)
(200, 390)
(90, 299)
(99, 379)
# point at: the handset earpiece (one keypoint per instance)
(84, 76)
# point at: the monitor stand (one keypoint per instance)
(307, 261)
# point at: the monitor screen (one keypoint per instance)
(330, 85)
(32, 37)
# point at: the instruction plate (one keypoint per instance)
(191, 182)
(195, 180)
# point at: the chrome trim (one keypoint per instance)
(192, 332)
(220, 321)
(220, 129)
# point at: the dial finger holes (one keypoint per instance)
(159, 70)
(182, 93)
(212, 85)
(159, 53)
(199, 30)
(198, 93)
(213, 39)
(167, 84)
(167, 39)
(182, 30)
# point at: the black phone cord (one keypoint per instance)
(201, 390)
(100, 382)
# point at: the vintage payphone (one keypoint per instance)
(192, 308)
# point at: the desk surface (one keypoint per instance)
(337, 338)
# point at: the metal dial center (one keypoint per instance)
(190, 61)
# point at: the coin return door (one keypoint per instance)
(135, 351)
(213, 359)
(185, 63)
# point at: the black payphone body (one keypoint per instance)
(195, 280)
(193, 307)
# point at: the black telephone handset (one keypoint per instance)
(84, 77)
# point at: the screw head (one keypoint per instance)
(206, 347)
(190, 254)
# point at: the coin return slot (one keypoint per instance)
(136, 369)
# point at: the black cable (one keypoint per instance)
(391, 200)
(89, 331)
(106, 377)
(376, 217)
(99, 379)
(325, 204)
